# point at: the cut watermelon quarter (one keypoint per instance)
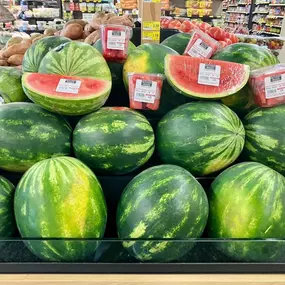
(205, 78)
(67, 95)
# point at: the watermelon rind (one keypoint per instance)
(265, 137)
(247, 201)
(61, 198)
(30, 134)
(202, 137)
(114, 140)
(162, 202)
(72, 106)
(187, 92)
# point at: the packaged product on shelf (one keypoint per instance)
(115, 41)
(145, 90)
(201, 45)
(83, 7)
(268, 85)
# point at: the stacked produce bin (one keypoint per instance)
(124, 158)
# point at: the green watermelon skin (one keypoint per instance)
(114, 140)
(30, 134)
(178, 42)
(247, 201)
(164, 201)
(75, 59)
(38, 50)
(7, 218)
(202, 137)
(149, 58)
(10, 85)
(265, 140)
(253, 55)
(60, 198)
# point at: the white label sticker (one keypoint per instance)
(68, 86)
(145, 91)
(200, 49)
(274, 86)
(209, 74)
(116, 40)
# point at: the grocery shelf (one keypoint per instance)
(274, 17)
(236, 12)
(236, 22)
(276, 4)
(273, 26)
(262, 3)
(269, 33)
(255, 12)
(233, 5)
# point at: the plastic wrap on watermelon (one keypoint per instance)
(145, 90)
(268, 85)
(201, 45)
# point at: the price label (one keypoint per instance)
(200, 49)
(152, 1)
(68, 86)
(209, 74)
(145, 91)
(154, 26)
(151, 36)
(116, 40)
(274, 86)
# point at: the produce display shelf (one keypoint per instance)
(236, 12)
(256, 12)
(233, 5)
(269, 33)
(273, 26)
(236, 22)
(276, 4)
(262, 3)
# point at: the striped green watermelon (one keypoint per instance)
(247, 200)
(60, 198)
(7, 218)
(203, 137)
(178, 42)
(162, 202)
(30, 134)
(75, 61)
(38, 50)
(114, 140)
(265, 137)
(255, 57)
(10, 85)
(149, 58)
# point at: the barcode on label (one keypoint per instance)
(204, 77)
(70, 81)
(116, 33)
(271, 91)
(275, 78)
(110, 43)
(142, 95)
(210, 67)
(146, 83)
(204, 45)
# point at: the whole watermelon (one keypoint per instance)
(164, 201)
(38, 50)
(149, 58)
(10, 85)
(256, 57)
(203, 137)
(7, 218)
(247, 201)
(114, 140)
(60, 198)
(265, 137)
(178, 42)
(30, 134)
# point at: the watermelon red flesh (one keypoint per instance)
(41, 89)
(182, 73)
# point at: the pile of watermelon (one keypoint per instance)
(68, 135)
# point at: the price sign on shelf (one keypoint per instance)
(151, 35)
(209, 74)
(150, 25)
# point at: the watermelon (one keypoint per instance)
(10, 85)
(60, 198)
(182, 72)
(178, 42)
(7, 219)
(162, 202)
(42, 89)
(114, 140)
(77, 60)
(149, 58)
(247, 201)
(265, 137)
(38, 50)
(30, 134)
(202, 137)
(255, 57)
